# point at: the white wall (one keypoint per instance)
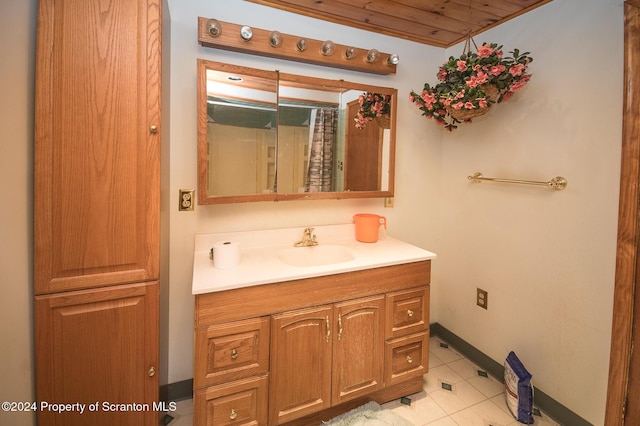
(17, 32)
(546, 258)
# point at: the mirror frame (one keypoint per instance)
(204, 198)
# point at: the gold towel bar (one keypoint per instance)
(558, 183)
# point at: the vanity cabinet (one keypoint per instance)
(97, 206)
(305, 350)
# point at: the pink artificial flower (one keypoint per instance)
(477, 80)
(482, 103)
(497, 69)
(459, 95)
(457, 105)
(469, 105)
(428, 98)
(499, 53)
(477, 67)
(462, 65)
(485, 51)
(411, 99)
(442, 74)
(506, 96)
(473, 81)
(516, 70)
(517, 85)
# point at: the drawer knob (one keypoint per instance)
(233, 415)
(153, 128)
(409, 312)
(234, 354)
(409, 359)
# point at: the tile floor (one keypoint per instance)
(473, 400)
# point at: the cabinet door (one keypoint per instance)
(97, 156)
(407, 357)
(358, 348)
(239, 403)
(300, 379)
(231, 351)
(407, 312)
(99, 346)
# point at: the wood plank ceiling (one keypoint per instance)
(441, 23)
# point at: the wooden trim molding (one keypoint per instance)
(627, 250)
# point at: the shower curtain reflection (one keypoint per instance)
(322, 142)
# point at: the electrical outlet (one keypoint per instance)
(388, 202)
(186, 200)
(482, 298)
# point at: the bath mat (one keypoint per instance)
(370, 414)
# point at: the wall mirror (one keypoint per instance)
(265, 135)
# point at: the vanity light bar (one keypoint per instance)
(244, 39)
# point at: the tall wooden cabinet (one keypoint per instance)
(97, 207)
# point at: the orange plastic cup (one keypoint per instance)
(367, 226)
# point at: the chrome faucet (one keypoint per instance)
(309, 239)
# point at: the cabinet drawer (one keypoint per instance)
(406, 357)
(243, 402)
(407, 312)
(232, 351)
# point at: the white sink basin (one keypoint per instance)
(316, 255)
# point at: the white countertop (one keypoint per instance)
(260, 262)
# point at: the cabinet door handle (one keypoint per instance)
(153, 128)
(328, 328)
(339, 326)
(409, 359)
(233, 415)
(409, 313)
(152, 372)
(234, 354)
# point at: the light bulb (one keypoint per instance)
(275, 38)
(373, 55)
(246, 33)
(328, 47)
(393, 59)
(302, 45)
(350, 52)
(213, 27)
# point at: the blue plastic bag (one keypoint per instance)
(518, 389)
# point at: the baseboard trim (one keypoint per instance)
(177, 391)
(546, 403)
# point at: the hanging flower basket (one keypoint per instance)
(470, 84)
(373, 106)
(492, 92)
(464, 115)
(384, 122)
